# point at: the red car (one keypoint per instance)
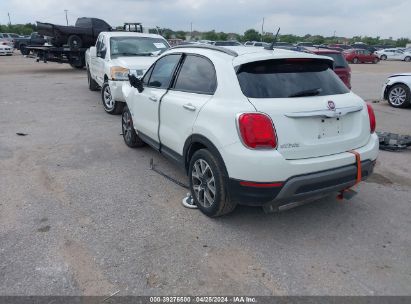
(341, 67)
(360, 56)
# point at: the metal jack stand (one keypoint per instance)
(188, 202)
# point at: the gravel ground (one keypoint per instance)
(82, 214)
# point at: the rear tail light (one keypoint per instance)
(371, 116)
(257, 131)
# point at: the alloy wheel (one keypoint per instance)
(203, 182)
(108, 98)
(127, 126)
(397, 96)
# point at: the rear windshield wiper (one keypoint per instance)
(310, 92)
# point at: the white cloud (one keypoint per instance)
(346, 17)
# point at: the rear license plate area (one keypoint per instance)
(330, 127)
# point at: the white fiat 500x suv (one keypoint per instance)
(255, 127)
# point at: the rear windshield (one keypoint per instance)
(339, 60)
(289, 78)
(137, 46)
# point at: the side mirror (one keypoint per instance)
(93, 51)
(136, 82)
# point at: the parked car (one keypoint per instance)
(35, 39)
(394, 54)
(115, 55)
(5, 49)
(206, 41)
(227, 43)
(341, 67)
(397, 90)
(6, 39)
(363, 46)
(256, 43)
(262, 128)
(305, 44)
(340, 46)
(82, 35)
(360, 56)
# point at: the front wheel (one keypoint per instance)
(207, 184)
(407, 59)
(110, 105)
(375, 61)
(129, 134)
(355, 60)
(399, 96)
(383, 57)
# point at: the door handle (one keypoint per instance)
(189, 107)
(153, 98)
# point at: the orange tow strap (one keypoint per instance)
(359, 173)
(358, 161)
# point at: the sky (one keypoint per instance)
(384, 18)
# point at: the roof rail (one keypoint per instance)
(206, 47)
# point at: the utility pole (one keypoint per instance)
(66, 16)
(191, 30)
(262, 30)
(8, 14)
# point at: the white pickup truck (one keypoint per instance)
(116, 55)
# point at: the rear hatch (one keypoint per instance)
(313, 112)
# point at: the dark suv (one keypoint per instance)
(341, 67)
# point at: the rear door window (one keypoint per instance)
(197, 75)
(289, 78)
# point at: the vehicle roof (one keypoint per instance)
(246, 54)
(130, 34)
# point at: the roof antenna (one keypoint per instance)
(271, 46)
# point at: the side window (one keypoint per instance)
(147, 75)
(163, 71)
(98, 44)
(197, 75)
(103, 48)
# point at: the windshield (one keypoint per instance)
(339, 59)
(289, 78)
(137, 46)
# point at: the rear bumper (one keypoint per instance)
(384, 91)
(299, 188)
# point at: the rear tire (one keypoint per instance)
(129, 133)
(407, 59)
(375, 61)
(110, 105)
(383, 57)
(355, 60)
(75, 42)
(78, 67)
(23, 50)
(207, 184)
(92, 84)
(399, 96)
